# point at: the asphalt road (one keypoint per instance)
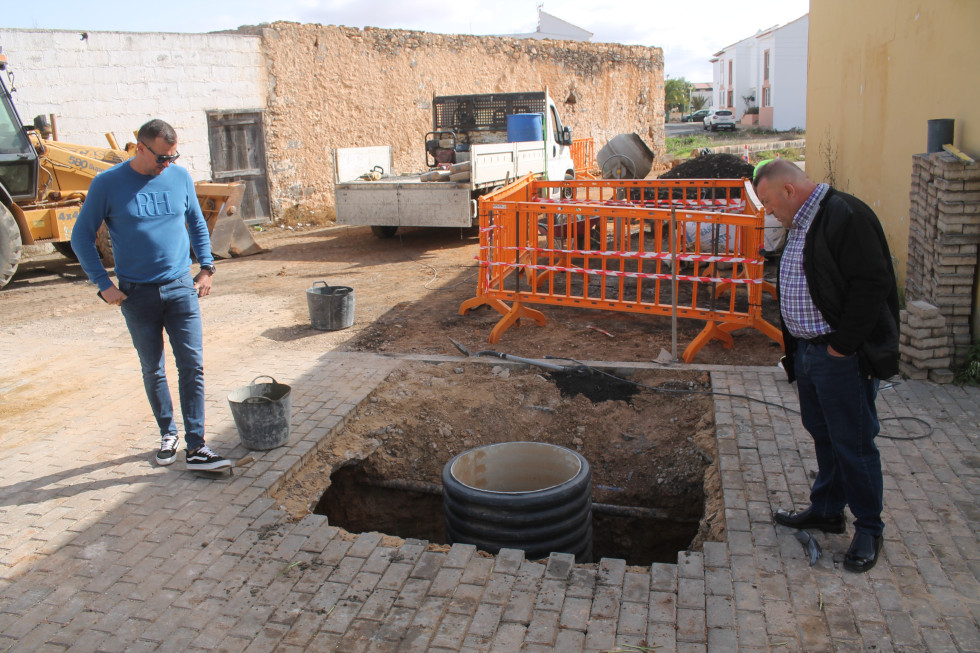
(681, 128)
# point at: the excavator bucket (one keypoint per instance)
(230, 237)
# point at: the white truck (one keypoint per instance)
(468, 153)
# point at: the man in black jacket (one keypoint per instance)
(839, 304)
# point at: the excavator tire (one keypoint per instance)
(103, 243)
(64, 248)
(10, 245)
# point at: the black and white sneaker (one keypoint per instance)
(168, 449)
(203, 459)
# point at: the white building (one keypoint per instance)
(768, 71)
(556, 29)
(703, 89)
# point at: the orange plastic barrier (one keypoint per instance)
(583, 156)
(658, 247)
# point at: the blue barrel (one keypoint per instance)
(524, 127)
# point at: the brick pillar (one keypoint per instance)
(944, 235)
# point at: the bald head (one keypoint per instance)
(781, 170)
(782, 188)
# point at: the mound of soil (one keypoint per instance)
(711, 166)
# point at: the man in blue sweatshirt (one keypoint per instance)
(151, 211)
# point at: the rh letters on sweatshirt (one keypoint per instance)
(151, 205)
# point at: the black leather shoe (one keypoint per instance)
(808, 519)
(863, 552)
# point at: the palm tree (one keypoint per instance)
(698, 102)
(676, 94)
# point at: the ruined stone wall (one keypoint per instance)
(332, 87)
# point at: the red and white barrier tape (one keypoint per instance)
(661, 256)
(734, 206)
(617, 273)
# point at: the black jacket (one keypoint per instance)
(849, 271)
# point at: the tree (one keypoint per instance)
(698, 102)
(677, 93)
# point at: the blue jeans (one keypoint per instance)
(838, 409)
(151, 309)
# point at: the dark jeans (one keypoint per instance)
(151, 309)
(838, 409)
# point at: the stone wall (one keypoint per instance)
(332, 87)
(944, 235)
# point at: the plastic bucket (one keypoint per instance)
(331, 307)
(262, 412)
(524, 127)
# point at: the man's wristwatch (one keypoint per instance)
(209, 268)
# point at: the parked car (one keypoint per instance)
(697, 116)
(720, 119)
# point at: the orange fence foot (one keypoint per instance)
(711, 331)
(769, 330)
(478, 301)
(514, 315)
(769, 288)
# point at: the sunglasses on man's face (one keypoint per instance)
(162, 158)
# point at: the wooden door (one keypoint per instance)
(237, 142)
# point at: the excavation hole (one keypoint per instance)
(359, 503)
(648, 450)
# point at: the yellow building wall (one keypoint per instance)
(879, 70)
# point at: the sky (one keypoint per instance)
(688, 32)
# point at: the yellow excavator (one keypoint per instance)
(43, 183)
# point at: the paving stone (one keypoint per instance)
(100, 573)
(582, 583)
(601, 635)
(560, 565)
(427, 566)
(485, 622)
(543, 627)
(519, 607)
(465, 599)
(396, 624)
(508, 561)
(451, 631)
(551, 595)
(572, 641)
(509, 637)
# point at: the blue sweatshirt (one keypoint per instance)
(152, 221)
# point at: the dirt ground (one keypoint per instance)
(407, 293)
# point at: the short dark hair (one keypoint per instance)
(157, 128)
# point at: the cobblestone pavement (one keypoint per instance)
(101, 550)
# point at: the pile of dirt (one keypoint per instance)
(711, 166)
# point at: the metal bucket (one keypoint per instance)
(331, 307)
(262, 412)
